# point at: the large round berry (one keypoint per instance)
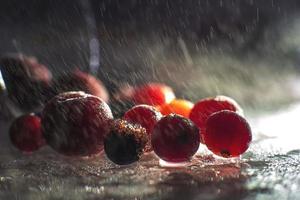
(125, 142)
(25, 133)
(75, 123)
(153, 94)
(227, 134)
(146, 116)
(206, 107)
(175, 138)
(81, 81)
(177, 106)
(26, 80)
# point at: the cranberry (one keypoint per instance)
(125, 142)
(26, 80)
(75, 123)
(81, 81)
(227, 134)
(153, 94)
(177, 106)
(25, 133)
(175, 138)
(205, 107)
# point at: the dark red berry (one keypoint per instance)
(125, 143)
(75, 123)
(26, 80)
(25, 133)
(227, 134)
(153, 94)
(146, 116)
(81, 81)
(175, 138)
(206, 107)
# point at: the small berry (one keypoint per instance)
(75, 123)
(177, 106)
(206, 107)
(25, 133)
(153, 94)
(175, 138)
(125, 143)
(227, 134)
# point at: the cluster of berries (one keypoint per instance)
(81, 123)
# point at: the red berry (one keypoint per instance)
(25, 133)
(206, 107)
(125, 143)
(153, 94)
(81, 81)
(175, 138)
(75, 123)
(146, 116)
(227, 134)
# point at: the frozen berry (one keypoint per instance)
(26, 80)
(81, 81)
(177, 106)
(146, 116)
(227, 134)
(25, 133)
(125, 143)
(75, 123)
(205, 107)
(175, 138)
(153, 94)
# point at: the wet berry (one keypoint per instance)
(125, 143)
(75, 123)
(26, 80)
(227, 134)
(177, 106)
(81, 81)
(206, 107)
(25, 133)
(153, 94)
(175, 138)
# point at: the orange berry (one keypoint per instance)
(177, 106)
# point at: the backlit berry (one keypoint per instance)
(227, 134)
(175, 138)
(177, 106)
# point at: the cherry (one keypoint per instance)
(175, 138)
(26, 80)
(177, 106)
(227, 134)
(25, 133)
(81, 81)
(205, 107)
(125, 143)
(75, 123)
(153, 94)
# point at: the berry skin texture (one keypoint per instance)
(227, 134)
(177, 106)
(206, 107)
(175, 139)
(146, 116)
(125, 143)
(75, 123)
(25, 133)
(153, 94)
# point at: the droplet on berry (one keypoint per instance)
(153, 94)
(81, 81)
(175, 138)
(206, 107)
(177, 106)
(25, 133)
(227, 134)
(75, 123)
(125, 143)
